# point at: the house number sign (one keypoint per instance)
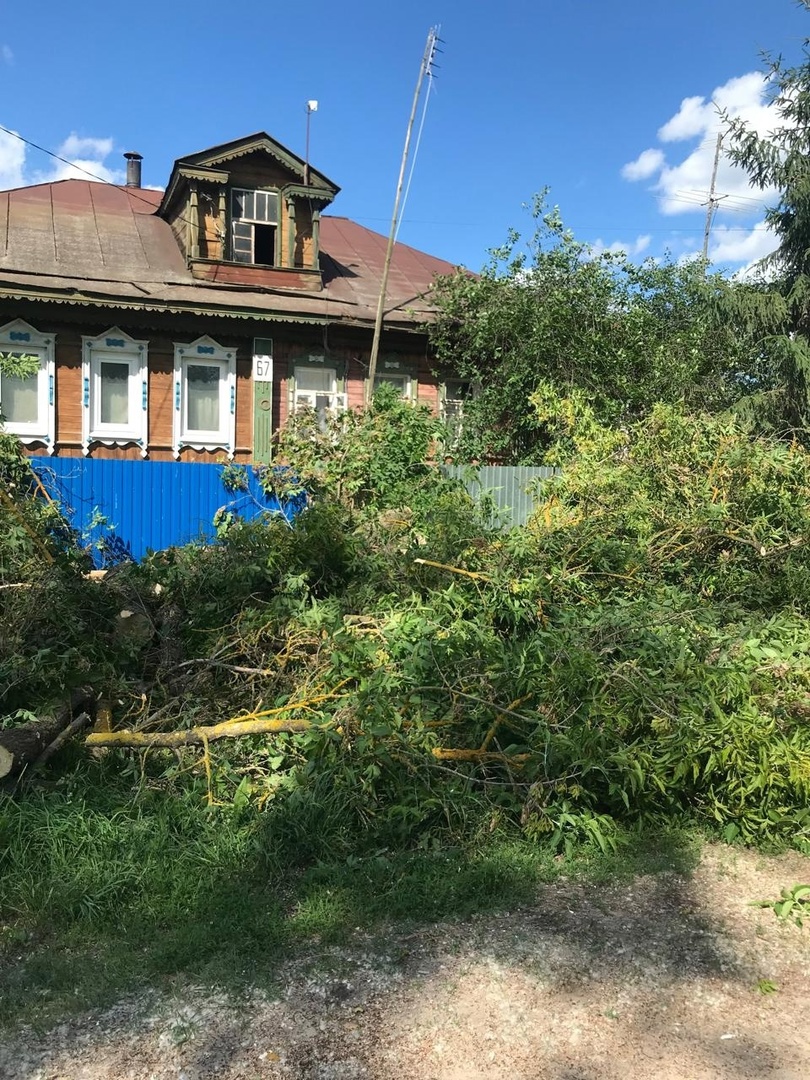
(262, 368)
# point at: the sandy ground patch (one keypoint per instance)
(659, 978)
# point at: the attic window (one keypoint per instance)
(254, 226)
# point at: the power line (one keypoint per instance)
(677, 197)
(132, 192)
(430, 77)
(428, 59)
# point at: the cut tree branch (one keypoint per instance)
(196, 736)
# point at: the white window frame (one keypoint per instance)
(255, 221)
(204, 352)
(114, 346)
(457, 398)
(19, 337)
(397, 371)
(308, 398)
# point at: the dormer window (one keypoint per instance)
(254, 226)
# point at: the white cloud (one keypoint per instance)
(646, 165)
(688, 122)
(6, 54)
(729, 245)
(635, 247)
(12, 160)
(679, 171)
(75, 145)
(683, 186)
(85, 160)
(741, 96)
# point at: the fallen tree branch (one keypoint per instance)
(196, 736)
(479, 700)
(480, 756)
(73, 728)
(500, 719)
(453, 569)
(483, 781)
(237, 669)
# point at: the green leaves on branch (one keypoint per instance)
(776, 307)
(18, 365)
(553, 312)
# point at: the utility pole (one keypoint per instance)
(424, 69)
(711, 205)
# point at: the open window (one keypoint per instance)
(27, 384)
(115, 399)
(204, 397)
(254, 226)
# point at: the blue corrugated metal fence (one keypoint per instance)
(124, 508)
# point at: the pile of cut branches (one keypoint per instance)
(640, 652)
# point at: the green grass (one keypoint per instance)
(104, 889)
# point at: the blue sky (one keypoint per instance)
(584, 97)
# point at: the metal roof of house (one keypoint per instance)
(82, 242)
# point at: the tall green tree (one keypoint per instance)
(552, 312)
(777, 309)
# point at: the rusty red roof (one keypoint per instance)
(82, 242)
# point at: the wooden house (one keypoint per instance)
(184, 325)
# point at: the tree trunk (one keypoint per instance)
(21, 746)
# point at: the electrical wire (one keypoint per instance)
(132, 192)
(415, 154)
(430, 77)
(450, 224)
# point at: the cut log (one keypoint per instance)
(22, 746)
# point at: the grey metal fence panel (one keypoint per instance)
(514, 489)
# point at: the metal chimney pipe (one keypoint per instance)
(133, 169)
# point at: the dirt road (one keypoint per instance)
(667, 977)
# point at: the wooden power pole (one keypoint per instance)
(424, 69)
